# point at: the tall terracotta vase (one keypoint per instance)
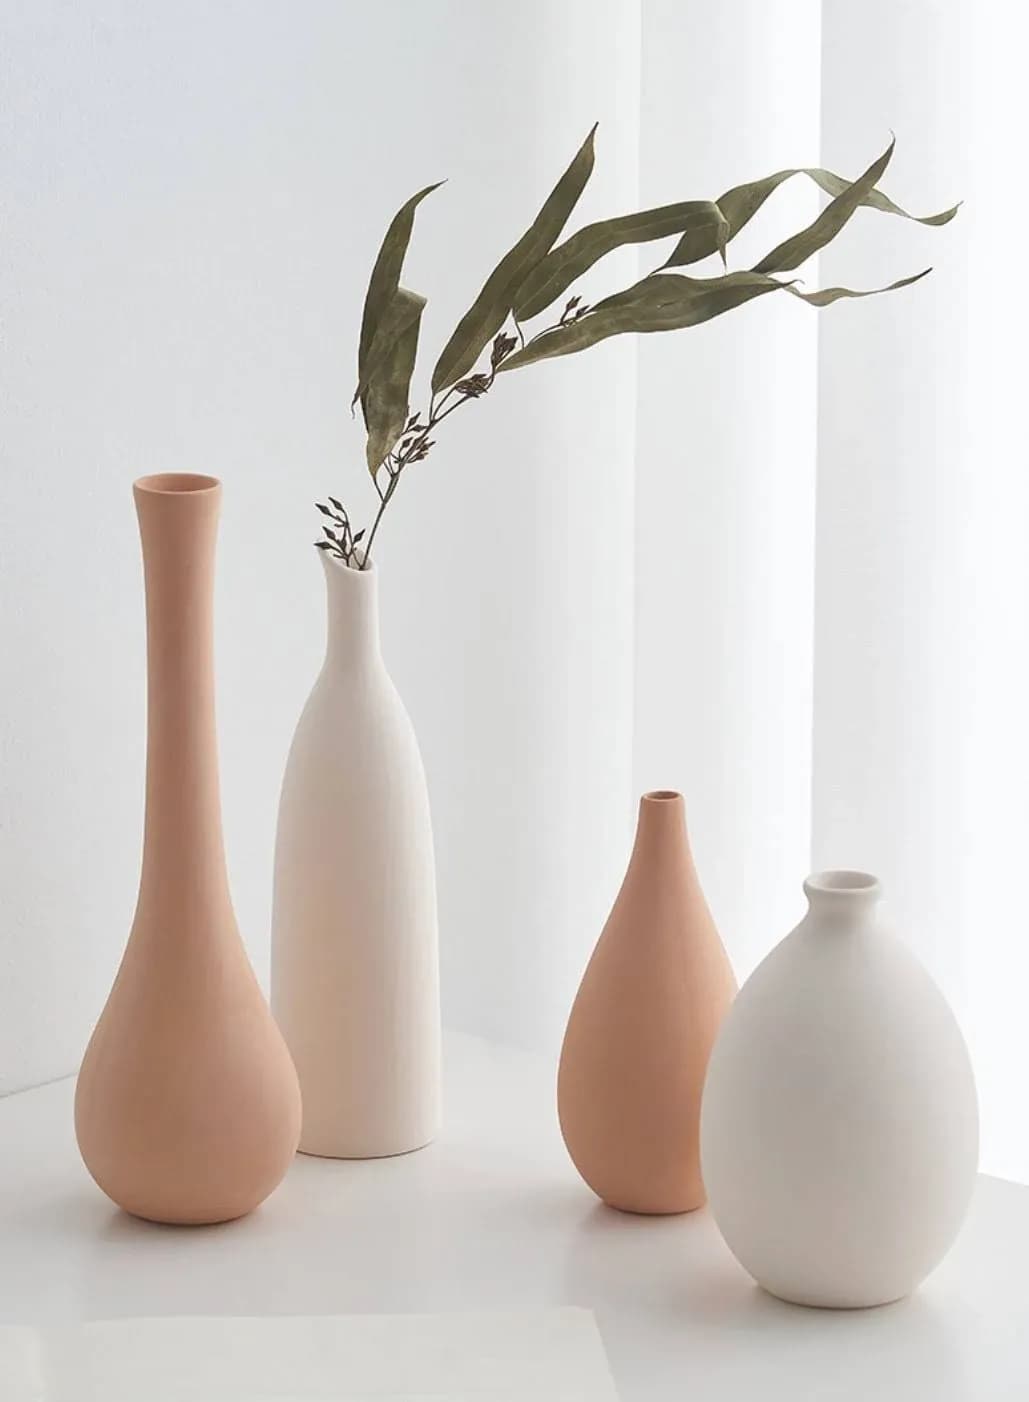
(187, 1107)
(642, 1027)
(355, 984)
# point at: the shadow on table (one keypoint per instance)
(670, 1286)
(93, 1218)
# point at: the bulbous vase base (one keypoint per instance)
(642, 1026)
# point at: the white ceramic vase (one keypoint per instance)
(355, 983)
(839, 1124)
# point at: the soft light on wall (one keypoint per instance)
(775, 561)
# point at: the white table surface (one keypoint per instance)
(493, 1216)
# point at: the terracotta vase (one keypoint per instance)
(355, 983)
(642, 1027)
(187, 1107)
(840, 1127)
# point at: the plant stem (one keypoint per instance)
(366, 554)
(437, 413)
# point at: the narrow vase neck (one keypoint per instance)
(183, 853)
(352, 615)
(843, 900)
(661, 825)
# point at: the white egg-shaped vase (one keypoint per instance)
(839, 1131)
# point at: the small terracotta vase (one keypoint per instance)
(642, 1027)
(187, 1107)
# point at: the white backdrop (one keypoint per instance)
(774, 562)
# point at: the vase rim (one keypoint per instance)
(844, 884)
(176, 483)
(662, 796)
(335, 563)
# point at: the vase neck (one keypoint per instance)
(352, 615)
(183, 853)
(842, 899)
(661, 824)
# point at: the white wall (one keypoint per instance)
(922, 679)
(891, 448)
(194, 194)
(784, 577)
(726, 473)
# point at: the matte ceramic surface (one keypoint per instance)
(839, 1130)
(641, 1030)
(187, 1107)
(355, 982)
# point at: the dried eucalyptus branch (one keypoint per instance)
(341, 542)
(537, 271)
(415, 444)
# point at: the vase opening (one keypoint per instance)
(661, 796)
(360, 568)
(842, 891)
(842, 881)
(176, 483)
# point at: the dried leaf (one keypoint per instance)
(490, 309)
(827, 295)
(671, 301)
(502, 346)
(385, 278)
(740, 204)
(661, 302)
(875, 199)
(386, 400)
(793, 251)
(474, 387)
(564, 264)
(404, 308)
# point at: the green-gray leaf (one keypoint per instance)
(385, 278)
(875, 199)
(671, 301)
(793, 251)
(740, 204)
(827, 295)
(490, 309)
(661, 302)
(403, 308)
(555, 273)
(386, 400)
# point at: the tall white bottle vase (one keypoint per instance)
(839, 1130)
(355, 980)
